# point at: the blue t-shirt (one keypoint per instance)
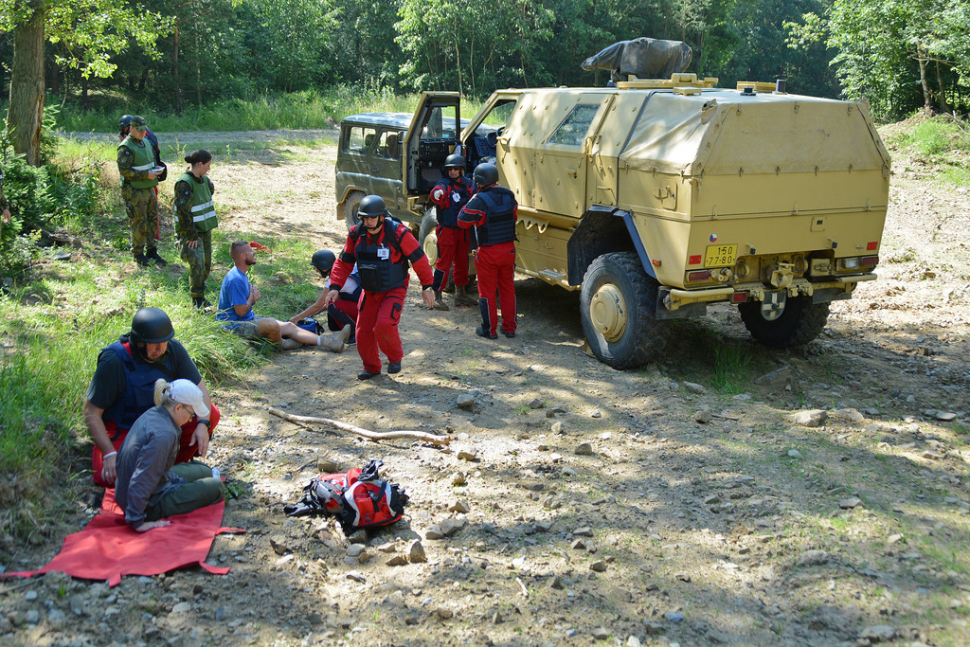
(234, 292)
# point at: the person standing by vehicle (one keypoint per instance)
(196, 218)
(150, 485)
(123, 388)
(493, 212)
(450, 194)
(342, 312)
(139, 171)
(382, 249)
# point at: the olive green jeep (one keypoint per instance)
(655, 198)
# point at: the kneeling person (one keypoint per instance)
(342, 312)
(150, 485)
(236, 299)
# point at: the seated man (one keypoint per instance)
(342, 312)
(236, 299)
(123, 388)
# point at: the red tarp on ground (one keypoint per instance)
(108, 549)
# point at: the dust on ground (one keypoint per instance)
(670, 505)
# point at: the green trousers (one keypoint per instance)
(141, 206)
(199, 261)
(200, 491)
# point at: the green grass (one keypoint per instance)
(943, 142)
(296, 110)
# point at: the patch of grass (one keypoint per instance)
(942, 141)
(733, 369)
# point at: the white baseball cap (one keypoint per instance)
(184, 392)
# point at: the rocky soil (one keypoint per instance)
(730, 494)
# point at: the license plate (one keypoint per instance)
(720, 255)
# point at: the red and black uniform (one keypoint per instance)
(382, 264)
(450, 196)
(493, 212)
(124, 386)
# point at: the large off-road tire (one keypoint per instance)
(617, 305)
(351, 205)
(427, 237)
(799, 323)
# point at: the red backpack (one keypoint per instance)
(358, 497)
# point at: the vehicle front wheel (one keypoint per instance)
(617, 305)
(351, 206)
(799, 322)
(427, 235)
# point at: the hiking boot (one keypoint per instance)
(394, 367)
(366, 375)
(335, 341)
(510, 335)
(439, 301)
(142, 260)
(289, 344)
(481, 332)
(464, 297)
(201, 303)
(153, 255)
(450, 288)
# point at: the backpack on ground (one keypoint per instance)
(311, 324)
(358, 498)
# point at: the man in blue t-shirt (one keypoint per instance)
(236, 299)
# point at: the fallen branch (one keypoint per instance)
(360, 431)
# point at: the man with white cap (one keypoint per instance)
(150, 486)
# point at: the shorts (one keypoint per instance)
(248, 329)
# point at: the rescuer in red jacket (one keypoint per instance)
(382, 249)
(493, 213)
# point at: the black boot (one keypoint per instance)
(153, 255)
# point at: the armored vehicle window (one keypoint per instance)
(573, 129)
(441, 124)
(359, 139)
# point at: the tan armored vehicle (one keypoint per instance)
(657, 198)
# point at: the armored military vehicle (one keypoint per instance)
(656, 198)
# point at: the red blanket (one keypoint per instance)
(107, 548)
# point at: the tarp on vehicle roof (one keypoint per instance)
(647, 58)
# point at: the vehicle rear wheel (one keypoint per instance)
(799, 322)
(427, 236)
(351, 205)
(617, 305)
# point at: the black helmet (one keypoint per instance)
(151, 326)
(454, 160)
(124, 122)
(323, 260)
(486, 174)
(372, 205)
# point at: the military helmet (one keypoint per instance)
(139, 123)
(124, 122)
(455, 160)
(486, 174)
(372, 205)
(323, 260)
(151, 326)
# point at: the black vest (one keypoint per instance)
(499, 224)
(378, 271)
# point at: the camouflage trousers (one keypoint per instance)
(199, 261)
(141, 206)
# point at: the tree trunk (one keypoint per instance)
(26, 114)
(939, 81)
(175, 70)
(924, 82)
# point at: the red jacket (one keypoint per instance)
(406, 249)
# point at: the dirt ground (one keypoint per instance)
(587, 506)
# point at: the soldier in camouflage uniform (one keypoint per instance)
(196, 218)
(136, 164)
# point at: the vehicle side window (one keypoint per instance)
(441, 124)
(359, 140)
(390, 145)
(573, 129)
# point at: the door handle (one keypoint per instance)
(571, 171)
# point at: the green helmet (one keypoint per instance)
(151, 326)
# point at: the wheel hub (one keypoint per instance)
(431, 247)
(607, 311)
(773, 305)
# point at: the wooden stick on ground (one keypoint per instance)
(360, 431)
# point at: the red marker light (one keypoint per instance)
(656, 262)
(703, 275)
(870, 261)
(871, 247)
(694, 260)
(739, 297)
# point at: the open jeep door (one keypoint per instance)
(433, 135)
